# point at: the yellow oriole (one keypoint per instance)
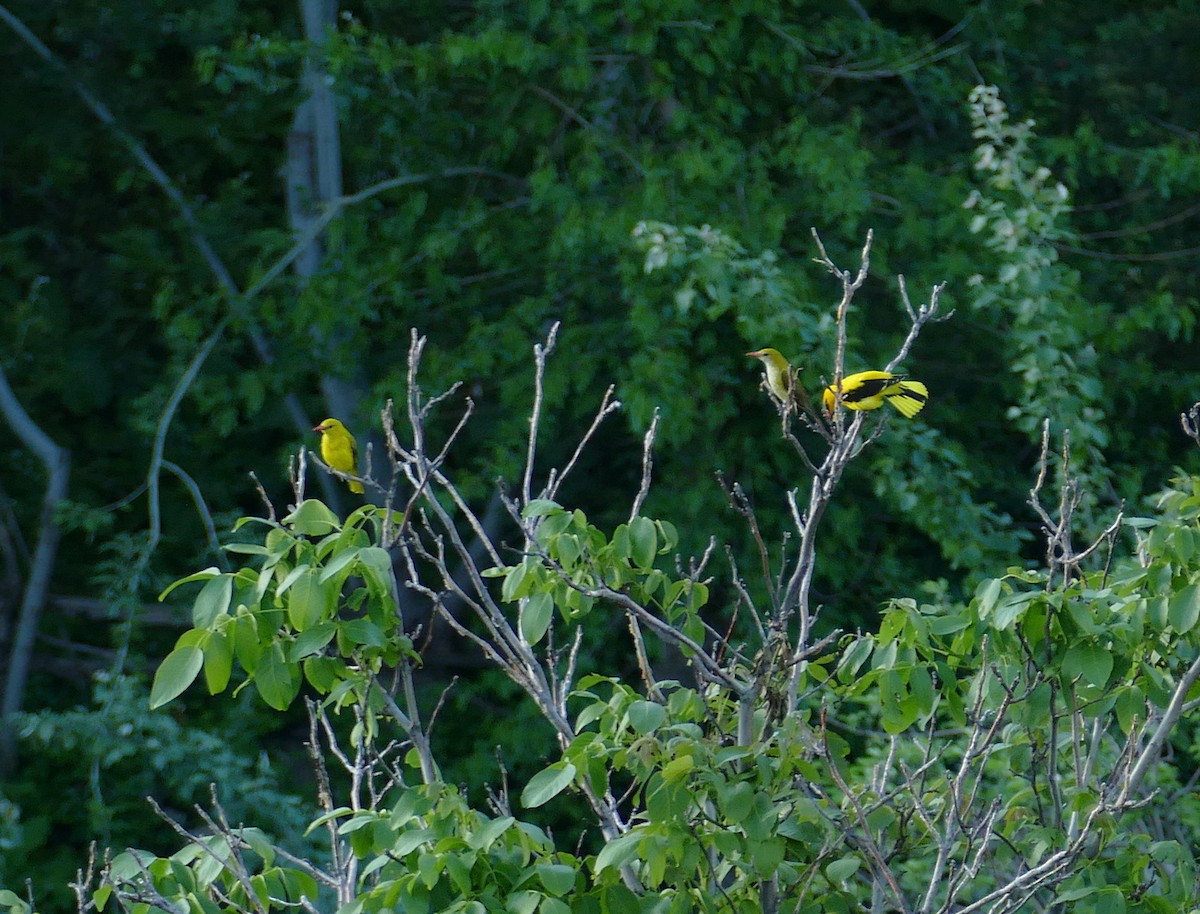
(339, 450)
(869, 390)
(781, 379)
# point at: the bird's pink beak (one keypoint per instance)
(318, 428)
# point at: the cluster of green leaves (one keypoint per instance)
(708, 810)
(1061, 673)
(1015, 709)
(109, 753)
(1036, 297)
(426, 850)
(719, 276)
(431, 851)
(196, 874)
(286, 621)
(577, 562)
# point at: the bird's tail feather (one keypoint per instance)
(909, 398)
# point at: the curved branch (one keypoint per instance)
(57, 461)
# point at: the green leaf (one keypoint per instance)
(211, 572)
(1140, 523)
(948, 625)
(552, 526)
(556, 878)
(986, 596)
(1110, 900)
(1157, 612)
(737, 801)
(176, 673)
(459, 871)
(100, 899)
(643, 538)
(678, 769)
(377, 568)
(308, 600)
(547, 784)
(338, 562)
(920, 685)
(246, 644)
(842, 869)
(618, 852)
(1090, 661)
(259, 843)
(521, 902)
(218, 663)
(323, 673)
(15, 905)
(358, 821)
(312, 640)
(277, 680)
(429, 866)
(540, 507)
(535, 617)
(1184, 610)
(491, 832)
(246, 549)
(853, 658)
(646, 716)
(514, 586)
(1012, 608)
(361, 632)
(313, 518)
(1075, 894)
(767, 854)
(670, 535)
(567, 550)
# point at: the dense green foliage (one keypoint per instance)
(985, 753)
(535, 139)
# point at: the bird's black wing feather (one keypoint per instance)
(869, 388)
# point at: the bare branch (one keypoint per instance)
(647, 465)
(541, 352)
(57, 462)
(1190, 421)
(607, 408)
(1149, 754)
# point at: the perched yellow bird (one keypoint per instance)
(869, 390)
(339, 450)
(781, 380)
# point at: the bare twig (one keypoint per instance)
(262, 493)
(874, 855)
(1190, 421)
(541, 352)
(608, 406)
(647, 465)
(210, 530)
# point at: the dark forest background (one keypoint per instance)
(221, 223)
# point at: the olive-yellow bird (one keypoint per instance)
(870, 389)
(339, 450)
(781, 379)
